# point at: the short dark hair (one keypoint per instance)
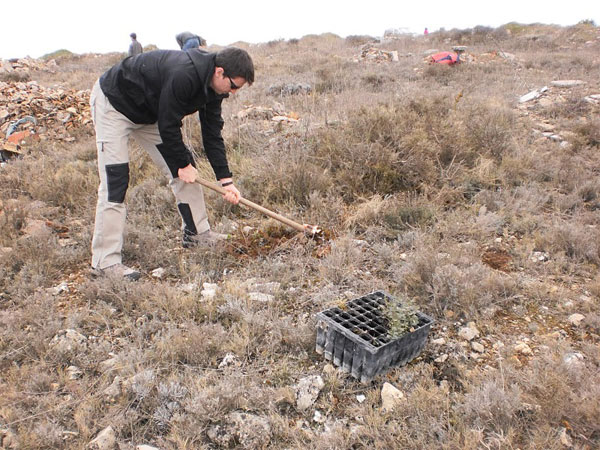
(236, 63)
(133, 35)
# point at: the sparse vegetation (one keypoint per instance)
(433, 181)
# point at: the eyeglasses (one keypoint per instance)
(232, 85)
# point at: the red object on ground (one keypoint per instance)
(17, 137)
(445, 58)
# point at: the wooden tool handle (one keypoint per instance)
(274, 215)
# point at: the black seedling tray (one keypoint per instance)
(356, 337)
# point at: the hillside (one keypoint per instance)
(472, 190)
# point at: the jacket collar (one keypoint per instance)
(204, 63)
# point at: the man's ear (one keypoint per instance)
(219, 71)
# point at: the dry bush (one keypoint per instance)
(578, 242)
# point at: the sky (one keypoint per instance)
(44, 26)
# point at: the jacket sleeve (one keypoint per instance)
(171, 112)
(212, 123)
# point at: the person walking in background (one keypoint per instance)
(146, 98)
(135, 48)
(426, 32)
(187, 40)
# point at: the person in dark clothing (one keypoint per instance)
(187, 40)
(135, 48)
(146, 98)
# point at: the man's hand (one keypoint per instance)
(232, 195)
(188, 173)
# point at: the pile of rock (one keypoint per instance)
(28, 110)
(372, 54)
(25, 65)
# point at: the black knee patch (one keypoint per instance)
(117, 177)
(188, 219)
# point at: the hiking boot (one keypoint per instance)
(207, 238)
(118, 270)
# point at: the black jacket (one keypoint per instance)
(164, 86)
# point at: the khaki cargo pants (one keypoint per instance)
(113, 131)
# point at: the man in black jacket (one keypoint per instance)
(146, 97)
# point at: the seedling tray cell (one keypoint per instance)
(355, 337)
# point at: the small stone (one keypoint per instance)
(260, 297)
(523, 348)
(307, 391)
(57, 290)
(576, 319)
(469, 332)
(360, 398)
(318, 417)
(158, 273)
(438, 341)
(188, 287)
(74, 372)
(329, 370)
(391, 397)
(441, 359)
(228, 360)
(476, 346)
(567, 83)
(573, 359)
(145, 447)
(106, 440)
(209, 290)
(565, 439)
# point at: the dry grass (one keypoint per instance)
(435, 187)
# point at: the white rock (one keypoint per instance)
(307, 391)
(469, 332)
(228, 360)
(523, 348)
(106, 440)
(74, 372)
(565, 439)
(329, 370)
(567, 83)
(114, 390)
(68, 340)
(360, 398)
(573, 359)
(188, 287)
(260, 297)
(576, 319)
(318, 417)
(62, 287)
(529, 96)
(158, 272)
(391, 397)
(438, 341)
(476, 346)
(145, 447)
(209, 290)
(247, 230)
(441, 359)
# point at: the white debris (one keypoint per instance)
(209, 291)
(260, 297)
(228, 360)
(567, 83)
(469, 332)
(576, 319)
(307, 391)
(106, 440)
(158, 273)
(391, 397)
